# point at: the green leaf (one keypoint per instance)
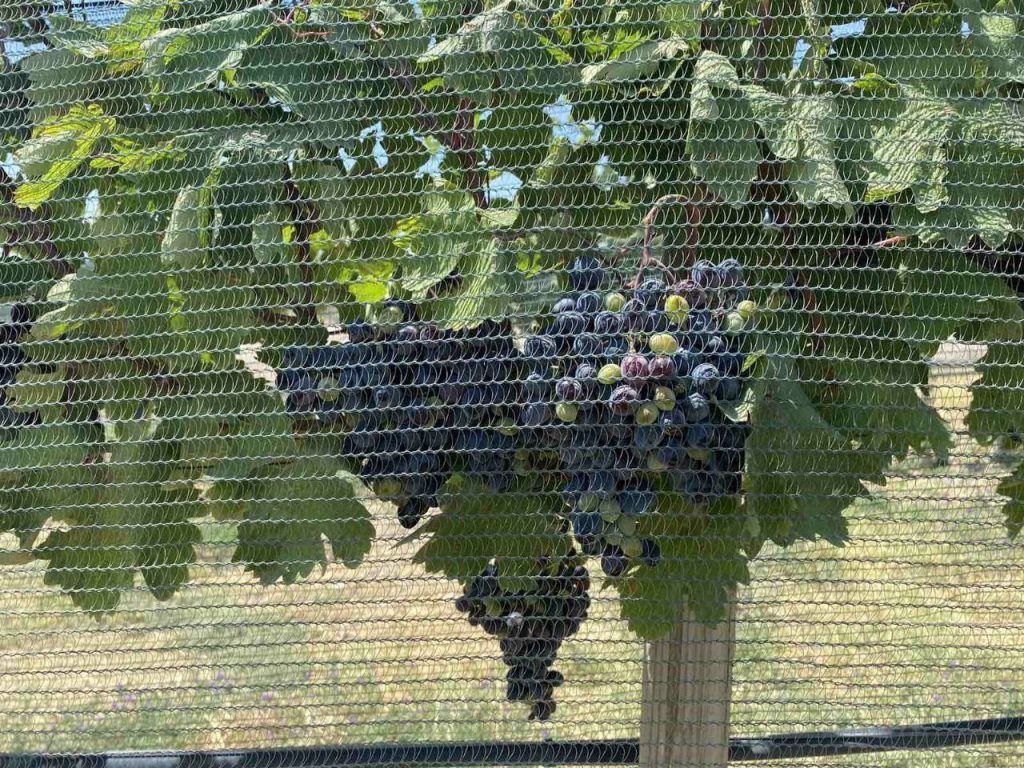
(57, 150)
(182, 60)
(188, 230)
(476, 525)
(293, 511)
(910, 153)
(633, 63)
(701, 564)
(1013, 488)
(722, 135)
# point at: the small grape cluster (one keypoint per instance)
(420, 403)
(531, 624)
(15, 321)
(626, 387)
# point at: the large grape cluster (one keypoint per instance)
(531, 624)
(626, 386)
(420, 403)
(15, 321)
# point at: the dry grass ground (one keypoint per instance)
(918, 619)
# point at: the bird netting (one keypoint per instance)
(401, 372)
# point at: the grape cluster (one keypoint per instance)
(626, 387)
(15, 321)
(531, 624)
(419, 403)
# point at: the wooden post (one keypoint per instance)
(686, 692)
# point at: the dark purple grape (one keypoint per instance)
(564, 305)
(585, 274)
(587, 345)
(700, 435)
(705, 379)
(536, 414)
(694, 294)
(636, 502)
(569, 325)
(588, 303)
(650, 293)
(651, 554)
(615, 348)
(704, 274)
(569, 390)
(696, 408)
(607, 323)
(728, 389)
(411, 511)
(360, 332)
(662, 368)
(614, 561)
(541, 349)
(730, 273)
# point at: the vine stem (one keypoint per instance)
(890, 242)
(647, 258)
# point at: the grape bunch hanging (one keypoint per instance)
(616, 398)
(419, 403)
(628, 389)
(531, 624)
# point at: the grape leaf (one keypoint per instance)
(476, 525)
(291, 510)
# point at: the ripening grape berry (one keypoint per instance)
(662, 368)
(609, 510)
(622, 399)
(734, 323)
(635, 368)
(677, 308)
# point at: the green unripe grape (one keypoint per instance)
(390, 317)
(627, 525)
(747, 308)
(702, 455)
(654, 462)
(566, 412)
(521, 468)
(647, 414)
(664, 399)
(610, 510)
(663, 344)
(609, 374)
(632, 546)
(390, 489)
(613, 537)
(734, 322)
(507, 427)
(589, 501)
(613, 302)
(328, 389)
(677, 308)
(493, 607)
